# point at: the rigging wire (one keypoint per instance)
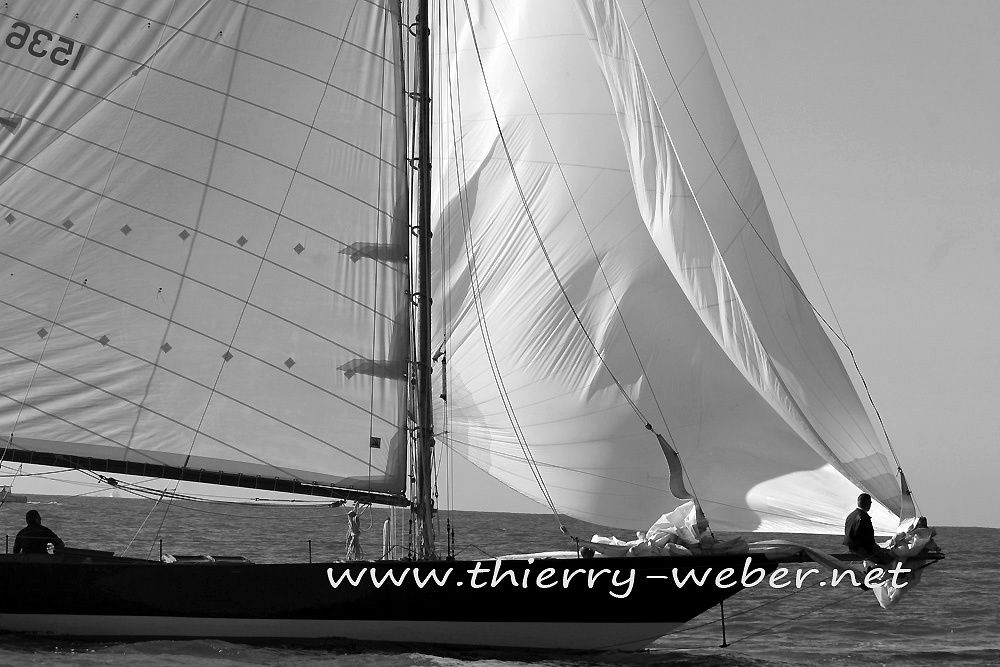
(477, 548)
(44, 473)
(141, 525)
(197, 509)
(378, 258)
(143, 491)
(445, 27)
(475, 286)
(436, 461)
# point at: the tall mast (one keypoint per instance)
(423, 509)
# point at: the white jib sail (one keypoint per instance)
(596, 240)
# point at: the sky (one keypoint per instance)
(880, 123)
(877, 124)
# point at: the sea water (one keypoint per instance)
(952, 616)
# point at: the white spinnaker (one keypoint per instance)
(595, 174)
(203, 227)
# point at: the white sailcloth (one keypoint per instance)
(599, 238)
(202, 233)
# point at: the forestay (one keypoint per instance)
(597, 244)
(203, 233)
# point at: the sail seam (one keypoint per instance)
(79, 426)
(530, 217)
(476, 291)
(90, 225)
(701, 499)
(242, 351)
(262, 10)
(172, 419)
(546, 255)
(193, 180)
(213, 42)
(545, 464)
(746, 112)
(267, 246)
(694, 198)
(100, 99)
(847, 432)
(196, 281)
(327, 33)
(145, 260)
(590, 241)
(146, 114)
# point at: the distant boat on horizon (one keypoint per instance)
(112, 493)
(7, 495)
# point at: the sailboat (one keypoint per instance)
(214, 272)
(7, 495)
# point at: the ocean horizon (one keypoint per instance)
(950, 617)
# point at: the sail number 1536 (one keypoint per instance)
(42, 43)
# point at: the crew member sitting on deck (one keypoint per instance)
(921, 529)
(35, 538)
(859, 534)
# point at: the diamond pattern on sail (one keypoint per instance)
(236, 130)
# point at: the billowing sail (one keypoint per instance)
(599, 270)
(203, 234)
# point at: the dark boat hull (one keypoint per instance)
(594, 604)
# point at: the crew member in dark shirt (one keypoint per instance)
(35, 538)
(859, 534)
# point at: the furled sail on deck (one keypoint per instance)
(203, 234)
(599, 245)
